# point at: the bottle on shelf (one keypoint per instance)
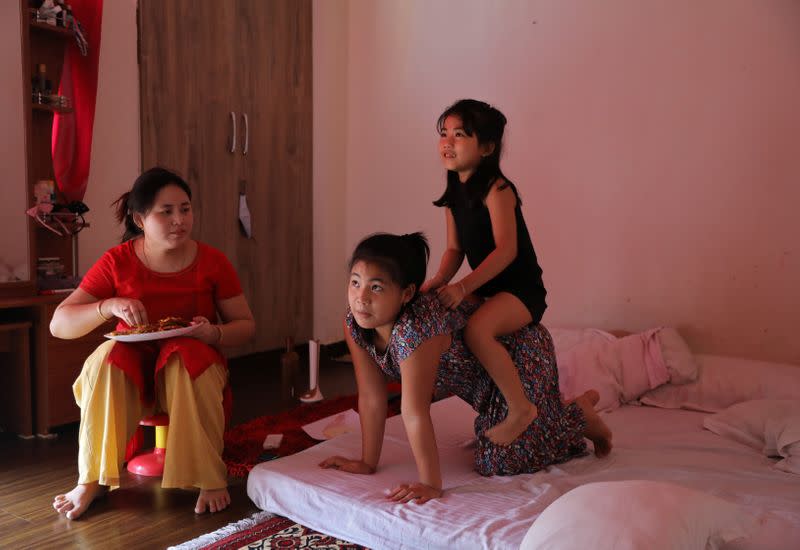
(39, 85)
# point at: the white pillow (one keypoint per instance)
(632, 515)
(566, 338)
(724, 381)
(677, 356)
(620, 370)
(587, 360)
(642, 364)
(771, 426)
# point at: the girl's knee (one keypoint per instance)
(478, 332)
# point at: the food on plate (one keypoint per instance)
(167, 323)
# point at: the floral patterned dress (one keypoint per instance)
(557, 433)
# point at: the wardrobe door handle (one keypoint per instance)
(246, 145)
(233, 132)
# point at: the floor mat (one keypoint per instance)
(243, 443)
(264, 530)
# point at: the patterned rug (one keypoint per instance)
(264, 530)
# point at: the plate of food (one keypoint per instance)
(168, 327)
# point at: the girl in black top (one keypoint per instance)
(484, 221)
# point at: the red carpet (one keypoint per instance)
(243, 443)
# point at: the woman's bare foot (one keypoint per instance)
(215, 500)
(596, 429)
(75, 503)
(516, 422)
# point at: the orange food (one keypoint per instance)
(167, 323)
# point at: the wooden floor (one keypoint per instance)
(140, 514)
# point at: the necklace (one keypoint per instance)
(149, 265)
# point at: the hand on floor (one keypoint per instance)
(347, 465)
(418, 492)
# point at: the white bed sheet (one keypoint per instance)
(478, 512)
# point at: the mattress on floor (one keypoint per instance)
(496, 512)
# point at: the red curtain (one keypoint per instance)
(72, 132)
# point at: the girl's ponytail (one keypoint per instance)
(419, 252)
(125, 216)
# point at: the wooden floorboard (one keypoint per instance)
(140, 514)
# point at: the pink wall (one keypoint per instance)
(654, 144)
(329, 164)
(116, 143)
(13, 182)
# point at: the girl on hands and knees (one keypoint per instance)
(157, 272)
(393, 330)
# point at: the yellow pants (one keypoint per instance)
(111, 410)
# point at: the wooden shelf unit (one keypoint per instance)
(49, 108)
(39, 26)
(38, 369)
(42, 397)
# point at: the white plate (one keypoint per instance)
(145, 336)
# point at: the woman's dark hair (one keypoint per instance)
(142, 196)
(488, 124)
(403, 257)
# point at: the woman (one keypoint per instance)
(392, 330)
(158, 271)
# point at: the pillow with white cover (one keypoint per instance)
(725, 381)
(771, 426)
(677, 356)
(636, 514)
(620, 369)
(587, 360)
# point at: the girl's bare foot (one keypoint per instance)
(596, 429)
(215, 500)
(516, 422)
(592, 396)
(75, 503)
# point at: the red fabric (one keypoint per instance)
(188, 293)
(243, 443)
(72, 132)
(141, 362)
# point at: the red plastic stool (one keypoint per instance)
(151, 463)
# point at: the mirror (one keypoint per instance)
(14, 249)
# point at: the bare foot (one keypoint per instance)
(505, 432)
(592, 396)
(215, 500)
(75, 503)
(596, 429)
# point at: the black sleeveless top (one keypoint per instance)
(523, 277)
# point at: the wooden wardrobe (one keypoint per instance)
(226, 102)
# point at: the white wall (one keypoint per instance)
(116, 145)
(14, 234)
(654, 144)
(330, 31)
